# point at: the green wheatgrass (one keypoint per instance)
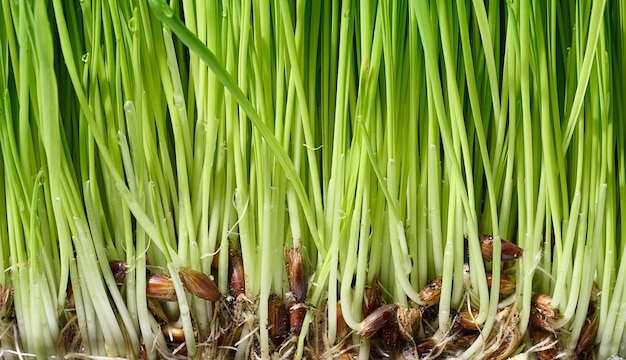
(381, 138)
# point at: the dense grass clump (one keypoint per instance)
(317, 179)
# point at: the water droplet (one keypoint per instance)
(179, 101)
(129, 106)
(132, 24)
(224, 13)
(85, 58)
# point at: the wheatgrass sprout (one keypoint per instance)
(312, 179)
